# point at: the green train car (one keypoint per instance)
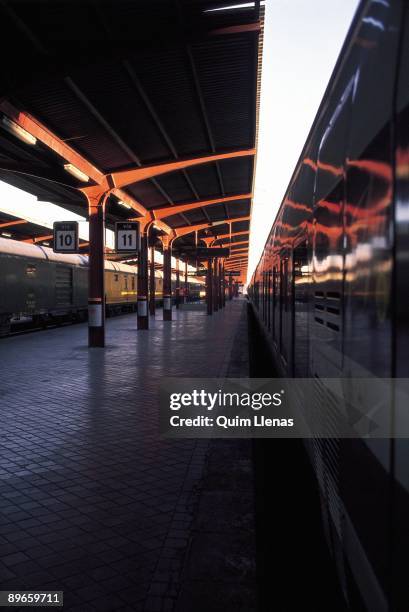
(39, 287)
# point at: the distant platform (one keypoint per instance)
(193, 306)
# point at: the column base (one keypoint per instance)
(143, 322)
(96, 337)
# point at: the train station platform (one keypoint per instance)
(95, 502)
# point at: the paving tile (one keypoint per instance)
(92, 500)
(14, 558)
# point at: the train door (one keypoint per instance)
(301, 284)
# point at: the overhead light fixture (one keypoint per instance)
(18, 131)
(46, 244)
(219, 222)
(71, 169)
(124, 204)
(6, 234)
(233, 7)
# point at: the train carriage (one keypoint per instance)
(38, 286)
(331, 292)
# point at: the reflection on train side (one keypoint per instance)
(331, 293)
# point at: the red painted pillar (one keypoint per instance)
(230, 287)
(220, 285)
(152, 304)
(143, 283)
(177, 291)
(186, 292)
(209, 288)
(96, 270)
(222, 280)
(215, 285)
(167, 281)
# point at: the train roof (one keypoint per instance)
(16, 248)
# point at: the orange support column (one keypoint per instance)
(177, 290)
(221, 268)
(167, 279)
(96, 270)
(143, 283)
(230, 287)
(223, 286)
(152, 283)
(186, 291)
(220, 284)
(209, 288)
(215, 285)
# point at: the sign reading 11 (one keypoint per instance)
(126, 236)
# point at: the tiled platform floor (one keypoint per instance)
(92, 500)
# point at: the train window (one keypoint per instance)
(133, 283)
(31, 270)
(301, 280)
(264, 297)
(284, 294)
(126, 281)
(286, 307)
(116, 277)
(283, 283)
(275, 301)
(269, 300)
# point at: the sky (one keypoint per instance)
(20, 203)
(302, 40)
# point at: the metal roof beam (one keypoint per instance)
(109, 129)
(142, 93)
(41, 65)
(36, 239)
(51, 141)
(12, 223)
(182, 231)
(233, 244)
(204, 115)
(161, 213)
(127, 177)
(221, 236)
(59, 147)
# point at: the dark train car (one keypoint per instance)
(331, 293)
(42, 286)
(38, 286)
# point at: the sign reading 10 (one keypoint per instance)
(65, 237)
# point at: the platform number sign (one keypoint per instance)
(126, 237)
(66, 237)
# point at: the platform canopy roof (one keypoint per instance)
(13, 226)
(155, 98)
